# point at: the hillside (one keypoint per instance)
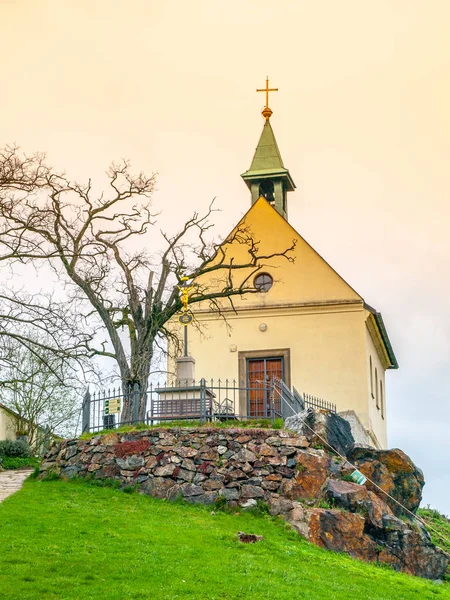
(64, 541)
(437, 522)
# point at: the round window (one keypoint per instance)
(263, 282)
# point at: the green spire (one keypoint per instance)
(267, 175)
(267, 155)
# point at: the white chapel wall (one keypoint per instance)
(376, 393)
(327, 350)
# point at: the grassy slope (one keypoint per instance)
(71, 540)
(441, 523)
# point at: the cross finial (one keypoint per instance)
(267, 112)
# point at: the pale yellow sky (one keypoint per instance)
(361, 117)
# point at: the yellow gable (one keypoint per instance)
(308, 279)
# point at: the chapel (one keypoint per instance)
(304, 324)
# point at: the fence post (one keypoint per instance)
(272, 400)
(202, 401)
(86, 412)
(136, 403)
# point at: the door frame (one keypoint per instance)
(243, 356)
(265, 387)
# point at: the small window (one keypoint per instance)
(377, 397)
(263, 282)
(371, 377)
(381, 400)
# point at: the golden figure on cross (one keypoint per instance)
(184, 296)
(267, 112)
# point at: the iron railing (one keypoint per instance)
(202, 401)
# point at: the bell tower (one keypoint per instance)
(267, 176)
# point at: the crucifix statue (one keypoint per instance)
(267, 112)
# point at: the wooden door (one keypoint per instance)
(260, 374)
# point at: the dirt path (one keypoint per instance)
(11, 481)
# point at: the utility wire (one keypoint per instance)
(419, 519)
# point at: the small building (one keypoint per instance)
(304, 324)
(8, 423)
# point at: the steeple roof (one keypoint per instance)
(267, 154)
(267, 161)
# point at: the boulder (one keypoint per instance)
(321, 426)
(357, 499)
(404, 546)
(394, 472)
(311, 474)
(342, 532)
(407, 547)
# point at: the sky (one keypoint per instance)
(361, 117)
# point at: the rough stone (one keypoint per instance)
(318, 426)
(192, 490)
(280, 505)
(94, 467)
(188, 464)
(245, 455)
(270, 485)
(288, 451)
(158, 487)
(206, 498)
(251, 491)
(211, 485)
(342, 532)
(266, 450)
(131, 462)
(237, 474)
(70, 472)
(71, 451)
(184, 474)
(309, 479)
(186, 451)
(248, 504)
(151, 462)
(394, 472)
(356, 498)
(110, 439)
(108, 471)
(229, 494)
(165, 471)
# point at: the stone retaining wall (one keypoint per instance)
(198, 464)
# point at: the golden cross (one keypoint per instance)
(267, 90)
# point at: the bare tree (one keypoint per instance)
(43, 403)
(90, 240)
(45, 328)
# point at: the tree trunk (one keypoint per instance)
(134, 386)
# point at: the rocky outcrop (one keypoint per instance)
(394, 472)
(372, 535)
(321, 426)
(242, 467)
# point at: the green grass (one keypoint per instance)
(230, 424)
(9, 462)
(71, 540)
(441, 524)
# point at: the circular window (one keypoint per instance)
(263, 282)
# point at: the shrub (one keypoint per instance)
(15, 448)
(8, 462)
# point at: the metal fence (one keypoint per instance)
(203, 401)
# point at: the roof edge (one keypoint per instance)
(384, 335)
